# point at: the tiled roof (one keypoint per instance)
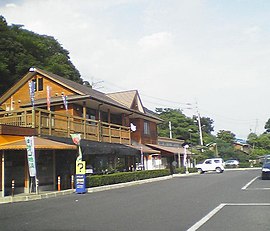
(80, 89)
(126, 97)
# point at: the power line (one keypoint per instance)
(175, 104)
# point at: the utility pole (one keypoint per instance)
(170, 129)
(200, 126)
(200, 129)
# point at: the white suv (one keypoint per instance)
(214, 164)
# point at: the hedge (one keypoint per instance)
(122, 177)
(182, 170)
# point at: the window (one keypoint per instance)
(146, 128)
(40, 84)
(208, 162)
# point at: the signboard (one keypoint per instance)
(80, 183)
(80, 177)
(30, 147)
(80, 167)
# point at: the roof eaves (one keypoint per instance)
(56, 78)
(16, 86)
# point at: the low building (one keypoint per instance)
(53, 108)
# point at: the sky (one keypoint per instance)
(201, 56)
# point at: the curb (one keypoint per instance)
(10, 199)
(122, 185)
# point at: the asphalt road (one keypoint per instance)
(233, 200)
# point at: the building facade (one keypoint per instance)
(114, 129)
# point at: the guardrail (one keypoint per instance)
(63, 124)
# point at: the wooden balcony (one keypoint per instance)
(62, 125)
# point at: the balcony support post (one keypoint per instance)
(33, 118)
(84, 119)
(68, 124)
(39, 123)
(50, 123)
(3, 173)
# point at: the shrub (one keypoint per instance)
(182, 170)
(122, 177)
(244, 165)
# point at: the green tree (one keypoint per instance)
(252, 140)
(267, 126)
(207, 124)
(263, 141)
(21, 49)
(226, 136)
(182, 126)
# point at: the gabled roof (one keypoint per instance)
(130, 99)
(81, 91)
(77, 88)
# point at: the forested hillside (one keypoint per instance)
(21, 49)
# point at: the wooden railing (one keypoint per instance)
(62, 125)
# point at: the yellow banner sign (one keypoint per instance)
(80, 167)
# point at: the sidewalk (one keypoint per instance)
(44, 194)
(30, 197)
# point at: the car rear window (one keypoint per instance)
(217, 161)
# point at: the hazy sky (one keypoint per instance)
(214, 53)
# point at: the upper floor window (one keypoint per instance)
(38, 84)
(146, 128)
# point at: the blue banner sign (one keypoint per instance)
(80, 183)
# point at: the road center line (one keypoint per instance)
(249, 183)
(206, 218)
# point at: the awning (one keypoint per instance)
(18, 143)
(6, 139)
(144, 149)
(90, 147)
(168, 150)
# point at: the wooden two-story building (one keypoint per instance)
(114, 129)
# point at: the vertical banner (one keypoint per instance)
(142, 159)
(76, 138)
(49, 98)
(185, 157)
(64, 97)
(30, 147)
(32, 92)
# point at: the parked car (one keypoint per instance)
(232, 163)
(213, 164)
(266, 168)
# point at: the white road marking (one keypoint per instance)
(206, 218)
(258, 189)
(249, 183)
(201, 222)
(247, 204)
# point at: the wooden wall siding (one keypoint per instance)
(136, 136)
(139, 135)
(152, 138)
(22, 95)
(14, 130)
